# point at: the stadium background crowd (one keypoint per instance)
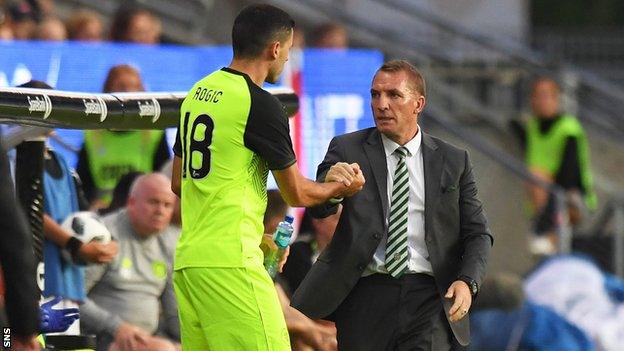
(515, 307)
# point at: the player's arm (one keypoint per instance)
(299, 191)
(176, 170)
(267, 134)
(176, 175)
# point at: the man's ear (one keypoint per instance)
(420, 104)
(274, 49)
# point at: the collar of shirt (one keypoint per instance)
(413, 146)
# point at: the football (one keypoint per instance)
(85, 226)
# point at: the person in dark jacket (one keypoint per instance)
(18, 265)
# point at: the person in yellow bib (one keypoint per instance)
(107, 155)
(557, 151)
(231, 134)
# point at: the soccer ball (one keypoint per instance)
(86, 227)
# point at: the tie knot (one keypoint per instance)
(401, 151)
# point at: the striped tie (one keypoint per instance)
(396, 247)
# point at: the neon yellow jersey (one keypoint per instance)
(546, 151)
(231, 133)
(113, 154)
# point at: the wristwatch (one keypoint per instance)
(472, 284)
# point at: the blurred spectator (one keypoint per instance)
(18, 265)
(305, 334)
(24, 17)
(503, 320)
(314, 235)
(556, 150)
(531, 327)
(576, 289)
(331, 36)
(121, 192)
(275, 212)
(46, 8)
(299, 41)
(6, 32)
(125, 297)
(85, 25)
(51, 29)
(64, 279)
(123, 78)
(501, 291)
(107, 155)
(135, 25)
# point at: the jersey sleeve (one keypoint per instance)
(267, 132)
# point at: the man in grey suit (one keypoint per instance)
(410, 249)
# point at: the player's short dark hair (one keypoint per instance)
(258, 25)
(417, 82)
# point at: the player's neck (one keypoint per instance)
(255, 69)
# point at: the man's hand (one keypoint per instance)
(341, 172)
(95, 252)
(26, 344)
(128, 337)
(357, 182)
(348, 174)
(268, 245)
(460, 291)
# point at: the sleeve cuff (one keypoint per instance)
(283, 166)
(335, 200)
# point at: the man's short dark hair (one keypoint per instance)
(416, 80)
(258, 25)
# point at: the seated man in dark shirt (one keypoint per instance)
(314, 235)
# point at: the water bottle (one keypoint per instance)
(281, 237)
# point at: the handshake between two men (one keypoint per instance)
(348, 174)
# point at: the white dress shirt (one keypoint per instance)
(417, 249)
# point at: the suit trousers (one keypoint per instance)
(385, 313)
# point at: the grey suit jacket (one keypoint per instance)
(456, 231)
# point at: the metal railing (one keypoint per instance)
(55, 108)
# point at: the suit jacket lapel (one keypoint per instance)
(377, 158)
(433, 160)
